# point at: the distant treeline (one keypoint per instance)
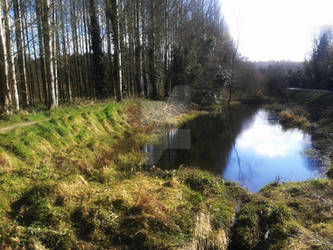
(52, 51)
(317, 71)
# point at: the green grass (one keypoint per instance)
(261, 224)
(40, 112)
(76, 181)
(309, 205)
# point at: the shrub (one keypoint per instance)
(291, 120)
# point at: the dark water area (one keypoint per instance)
(246, 145)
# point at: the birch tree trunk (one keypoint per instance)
(54, 55)
(138, 52)
(20, 55)
(10, 57)
(117, 48)
(39, 14)
(74, 26)
(27, 58)
(48, 54)
(67, 77)
(36, 66)
(7, 97)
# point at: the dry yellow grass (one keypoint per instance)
(290, 119)
(5, 161)
(148, 204)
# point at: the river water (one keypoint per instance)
(245, 145)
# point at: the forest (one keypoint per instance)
(317, 71)
(55, 51)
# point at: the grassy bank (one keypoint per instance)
(287, 216)
(312, 112)
(76, 181)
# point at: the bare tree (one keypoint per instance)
(117, 49)
(20, 54)
(67, 49)
(10, 56)
(44, 5)
(5, 87)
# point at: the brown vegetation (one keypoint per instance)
(291, 120)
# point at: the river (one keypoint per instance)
(246, 145)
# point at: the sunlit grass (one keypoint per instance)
(77, 181)
(292, 120)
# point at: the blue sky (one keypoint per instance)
(276, 29)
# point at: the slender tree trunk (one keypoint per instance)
(67, 77)
(84, 72)
(39, 14)
(138, 50)
(49, 60)
(71, 85)
(20, 57)
(91, 88)
(167, 89)
(133, 90)
(145, 71)
(117, 49)
(151, 51)
(96, 45)
(78, 73)
(5, 89)
(54, 52)
(36, 67)
(10, 57)
(27, 59)
(109, 46)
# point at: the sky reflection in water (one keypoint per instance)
(245, 145)
(264, 152)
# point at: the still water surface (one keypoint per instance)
(245, 145)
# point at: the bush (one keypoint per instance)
(291, 120)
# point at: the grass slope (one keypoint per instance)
(76, 181)
(287, 216)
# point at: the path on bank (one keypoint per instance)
(20, 125)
